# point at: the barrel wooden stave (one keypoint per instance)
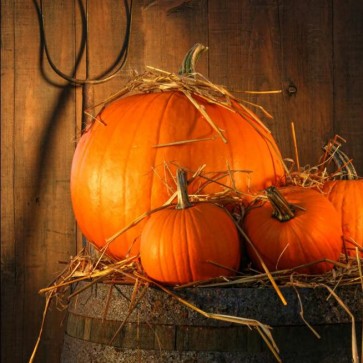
(160, 329)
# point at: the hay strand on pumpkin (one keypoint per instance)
(204, 113)
(182, 142)
(357, 254)
(157, 80)
(132, 224)
(264, 111)
(265, 268)
(221, 266)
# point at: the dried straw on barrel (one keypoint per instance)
(95, 269)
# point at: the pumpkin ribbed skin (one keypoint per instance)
(312, 234)
(347, 197)
(118, 174)
(176, 244)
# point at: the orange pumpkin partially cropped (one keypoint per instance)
(347, 197)
(346, 194)
(297, 226)
(123, 164)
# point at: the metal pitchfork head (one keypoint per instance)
(87, 82)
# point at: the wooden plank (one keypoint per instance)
(306, 67)
(245, 55)
(43, 146)
(107, 32)
(169, 32)
(125, 335)
(8, 269)
(273, 46)
(293, 341)
(348, 77)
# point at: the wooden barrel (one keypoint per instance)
(102, 328)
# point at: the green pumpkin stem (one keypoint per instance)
(342, 162)
(190, 60)
(282, 210)
(182, 186)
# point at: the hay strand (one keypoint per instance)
(129, 271)
(48, 299)
(295, 146)
(265, 268)
(262, 329)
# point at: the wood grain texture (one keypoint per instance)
(42, 147)
(245, 55)
(45, 144)
(170, 32)
(348, 77)
(307, 64)
(314, 45)
(8, 262)
(160, 329)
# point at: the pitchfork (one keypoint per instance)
(87, 82)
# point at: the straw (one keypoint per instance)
(92, 270)
(295, 146)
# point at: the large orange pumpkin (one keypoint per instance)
(119, 172)
(297, 226)
(189, 242)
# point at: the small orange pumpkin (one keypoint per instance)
(189, 242)
(297, 226)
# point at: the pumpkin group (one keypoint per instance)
(296, 227)
(189, 242)
(124, 163)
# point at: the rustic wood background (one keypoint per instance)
(313, 47)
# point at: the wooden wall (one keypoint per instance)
(314, 47)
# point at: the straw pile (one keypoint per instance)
(95, 268)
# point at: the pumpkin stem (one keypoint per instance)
(182, 185)
(342, 161)
(190, 60)
(282, 209)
